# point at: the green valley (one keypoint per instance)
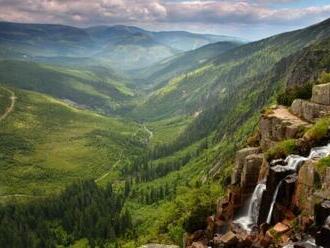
(120, 137)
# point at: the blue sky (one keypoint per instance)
(249, 19)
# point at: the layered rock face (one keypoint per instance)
(319, 106)
(279, 124)
(290, 195)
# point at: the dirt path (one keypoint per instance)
(12, 104)
(151, 134)
(103, 176)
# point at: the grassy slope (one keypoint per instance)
(96, 89)
(192, 91)
(47, 144)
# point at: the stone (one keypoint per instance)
(229, 239)
(280, 228)
(250, 172)
(309, 111)
(279, 124)
(303, 196)
(198, 245)
(159, 246)
(323, 236)
(321, 94)
(239, 162)
(322, 211)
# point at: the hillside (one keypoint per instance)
(165, 172)
(47, 144)
(123, 47)
(92, 87)
(193, 91)
(169, 68)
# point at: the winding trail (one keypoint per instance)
(106, 174)
(151, 134)
(12, 104)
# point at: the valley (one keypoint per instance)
(149, 121)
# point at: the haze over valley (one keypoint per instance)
(129, 124)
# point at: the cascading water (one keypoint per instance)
(269, 217)
(254, 205)
(293, 164)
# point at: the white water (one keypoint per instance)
(270, 213)
(293, 163)
(254, 206)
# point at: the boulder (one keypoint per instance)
(279, 124)
(303, 196)
(321, 94)
(280, 228)
(229, 239)
(239, 163)
(322, 211)
(323, 236)
(250, 172)
(198, 245)
(309, 111)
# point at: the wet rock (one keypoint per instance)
(229, 239)
(322, 211)
(321, 94)
(323, 236)
(309, 111)
(239, 163)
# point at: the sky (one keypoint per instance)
(247, 19)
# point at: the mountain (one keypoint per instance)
(169, 68)
(195, 90)
(159, 177)
(96, 88)
(123, 47)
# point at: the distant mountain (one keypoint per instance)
(123, 47)
(169, 68)
(227, 74)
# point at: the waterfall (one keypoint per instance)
(293, 163)
(270, 213)
(254, 206)
(255, 202)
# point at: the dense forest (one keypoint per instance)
(83, 210)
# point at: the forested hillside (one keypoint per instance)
(147, 159)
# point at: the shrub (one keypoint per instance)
(322, 165)
(324, 78)
(282, 149)
(290, 94)
(318, 131)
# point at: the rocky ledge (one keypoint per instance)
(277, 203)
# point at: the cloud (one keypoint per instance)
(161, 12)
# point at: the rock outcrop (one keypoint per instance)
(278, 124)
(287, 198)
(318, 107)
(321, 94)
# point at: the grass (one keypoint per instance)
(282, 149)
(167, 130)
(4, 100)
(322, 165)
(319, 130)
(46, 144)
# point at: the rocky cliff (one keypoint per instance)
(280, 191)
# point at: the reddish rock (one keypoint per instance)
(229, 239)
(198, 245)
(280, 228)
